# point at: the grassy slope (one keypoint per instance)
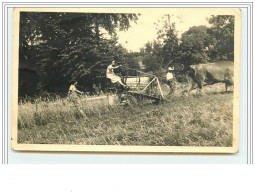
(183, 121)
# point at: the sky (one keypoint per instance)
(145, 29)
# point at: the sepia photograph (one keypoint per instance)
(126, 79)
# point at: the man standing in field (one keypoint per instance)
(171, 79)
(110, 74)
(73, 97)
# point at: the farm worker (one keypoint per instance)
(171, 79)
(110, 74)
(74, 90)
(73, 97)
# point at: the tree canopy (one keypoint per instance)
(194, 45)
(199, 44)
(58, 48)
(222, 30)
(164, 51)
(67, 47)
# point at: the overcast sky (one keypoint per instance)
(145, 29)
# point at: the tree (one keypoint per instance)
(152, 58)
(171, 48)
(194, 45)
(132, 63)
(168, 37)
(163, 52)
(70, 46)
(222, 30)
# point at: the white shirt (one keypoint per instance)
(72, 88)
(169, 76)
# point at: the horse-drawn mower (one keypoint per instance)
(142, 89)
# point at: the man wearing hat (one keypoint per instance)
(171, 79)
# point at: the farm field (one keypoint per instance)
(196, 120)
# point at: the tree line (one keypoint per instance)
(199, 44)
(57, 49)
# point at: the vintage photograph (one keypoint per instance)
(126, 79)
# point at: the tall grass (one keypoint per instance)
(199, 120)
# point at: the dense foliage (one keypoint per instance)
(222, 30)
(61, 48)
(57, 49)
(199, 44)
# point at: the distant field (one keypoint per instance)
(197, 120)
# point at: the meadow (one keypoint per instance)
(196, 120)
